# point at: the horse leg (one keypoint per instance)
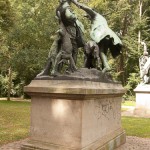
(57, 60)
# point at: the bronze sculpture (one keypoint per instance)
(73, 26)
(69, 38)
(92, 55)
(74, 30)
(65, 52)
(102, 35)
(54, 50)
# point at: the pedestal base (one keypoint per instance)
(142, 108)
(75, 115)
(106, 143)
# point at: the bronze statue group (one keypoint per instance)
(69, 39)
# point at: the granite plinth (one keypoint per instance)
(75, 115)
(142, 108)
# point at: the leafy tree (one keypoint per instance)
(6, 24)
(32, 37)
(26, 34)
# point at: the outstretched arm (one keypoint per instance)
(87, 9)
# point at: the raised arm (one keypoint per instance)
(87, 9)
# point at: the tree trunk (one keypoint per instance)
(140, 17)
(123, 54)
(9, 83)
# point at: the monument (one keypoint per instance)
(142, 91)
(77, 108)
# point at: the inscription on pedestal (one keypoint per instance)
(106, 109)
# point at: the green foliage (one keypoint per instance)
(132, 82)
(14, 121)
(6, 16)
(27, 27)
(26, 45)
(6, 23)
(31, 37)
(16, 89)
(128, 103)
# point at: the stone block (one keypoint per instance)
(75, 115)
(142, 108)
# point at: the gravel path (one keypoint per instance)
(135, 143)
(13, 146)
(132, 143)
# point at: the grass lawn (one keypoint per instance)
(14, 121)
(139, 127)
(128, 103)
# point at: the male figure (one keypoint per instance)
(102, 35)
(73, 26)
(75, 30)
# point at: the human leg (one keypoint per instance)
(105, 65)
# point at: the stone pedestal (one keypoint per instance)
(142, 108)
(75, 115)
